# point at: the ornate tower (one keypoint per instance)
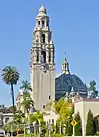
(65, 67)
(42, 61)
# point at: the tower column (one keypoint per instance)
(52, 57)
(35, 56)
(39, 55)
(47, 55)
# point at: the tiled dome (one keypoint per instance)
(65, 82)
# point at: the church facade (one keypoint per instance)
(42, 67)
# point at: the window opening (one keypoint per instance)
(43, 106)
(43, 38)
(37, 56)
(43, 57)
(49, 97)
(39, 23)
(49, 56)
(42, 23)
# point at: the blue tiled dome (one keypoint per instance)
(65, 82)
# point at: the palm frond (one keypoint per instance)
(10, 75)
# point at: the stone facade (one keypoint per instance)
(42, 62)
(19, 100)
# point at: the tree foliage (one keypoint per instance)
(19, 117)
(69, 128)
(65, 109)
(26, 86)
(36, 117)
(78, 127)
(27, 102)
(58, 105)
(90, 124)
(10, 76)
(93, 93)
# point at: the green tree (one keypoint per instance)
(65, 109)
(10, 76)
(78, 127)
(26, 86)
(27, 102)
(19, 117)
(58, 105)
(36, 117)
(90, 124)
(92, 89)
(69, 128)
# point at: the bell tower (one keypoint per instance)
(42, 61)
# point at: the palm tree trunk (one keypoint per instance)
(13, 100)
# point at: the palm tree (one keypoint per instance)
(37, 116)
(26, 86)
(10, 76)
(27, 102)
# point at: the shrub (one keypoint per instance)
(90, 124)
(78, 127)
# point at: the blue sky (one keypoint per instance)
(75, 25)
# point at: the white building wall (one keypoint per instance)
(83, 107)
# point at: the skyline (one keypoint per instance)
(75, 28)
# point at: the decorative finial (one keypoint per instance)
(65, 66)
(65, 55)
(42, 11)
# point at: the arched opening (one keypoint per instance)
(43, 23)
(37, 56)
(43, 57)
(50, 97)
(38, 23)
(43, 38)
(49, 56)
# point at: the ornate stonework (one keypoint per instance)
(42, 61)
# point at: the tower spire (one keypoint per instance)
(42, 11)
(65, 66)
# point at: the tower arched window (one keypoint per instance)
(43, 57)
(43, 23)
(49, 56)
(38, 23)
(43, 38)
(37, 56)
